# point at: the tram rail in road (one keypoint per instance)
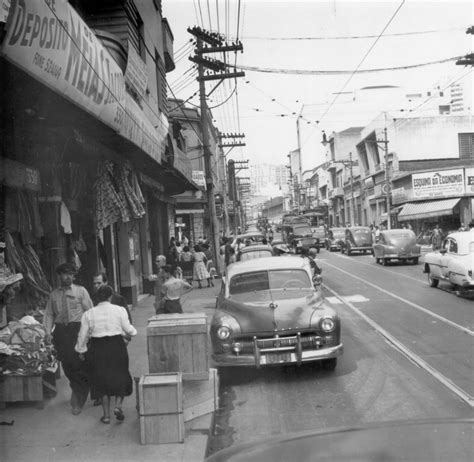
(407, 352)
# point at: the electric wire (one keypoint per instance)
(356, 69)
(355, 37)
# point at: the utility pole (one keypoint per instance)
(351, 164)
(387, 176)
(216, 43)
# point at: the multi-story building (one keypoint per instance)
(417, 149)
(85, 140)
(264, 175)
(343, 177)
(192, 214)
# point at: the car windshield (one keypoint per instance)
(361, 232)
(319, 232)
(302, 230)
(338, 233)
(258, 281)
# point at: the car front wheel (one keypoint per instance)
(329, 364)
(433, 282)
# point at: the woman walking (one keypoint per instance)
(199, 270)
(108, 329)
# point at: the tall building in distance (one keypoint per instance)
(268, 180)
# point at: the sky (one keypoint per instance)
(312, 35)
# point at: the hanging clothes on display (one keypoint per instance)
(110, 206)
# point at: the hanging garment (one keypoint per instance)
(65, 219)
(135, 206)
(110, 206)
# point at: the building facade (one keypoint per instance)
(87, 175)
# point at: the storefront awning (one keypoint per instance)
(427, 209)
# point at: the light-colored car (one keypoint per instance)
(397, 244)
(255, 251)
(453, 263)
(269, 312)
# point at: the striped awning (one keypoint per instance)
(427, 209)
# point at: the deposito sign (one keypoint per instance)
(50, 41)
(438, 184)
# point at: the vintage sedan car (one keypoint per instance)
(269, 312)
(357, 239)
(299, 236)
(397, 244)
(254, 237)
(255, 251)
(453, 263)
(335, 239)
(320, 235)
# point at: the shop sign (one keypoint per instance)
(17, 175)
(50, 41)
(199, 178)
(469, 180)
(135, 74)
(399, 195)
(438, 184)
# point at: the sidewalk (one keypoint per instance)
(54, 434)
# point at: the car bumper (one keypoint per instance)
(401, 256)
(229, 359)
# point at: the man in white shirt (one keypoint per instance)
(62, 321)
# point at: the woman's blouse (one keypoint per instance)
(186, 257)
(199, 257)
(103, 320)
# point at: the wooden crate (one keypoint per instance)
(160, 407)
(15, 388)
(201, 397)
(179, 343)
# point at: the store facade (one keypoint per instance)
(442, 196)
(90, 141)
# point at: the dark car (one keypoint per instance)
(320, 234)
(415, 441)
(357, 239)
(397, 244)
(269, 312)
(299, 236)
(335, 239)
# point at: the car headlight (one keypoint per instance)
(223, 332)
(328, 325)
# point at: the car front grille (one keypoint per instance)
(281, 343)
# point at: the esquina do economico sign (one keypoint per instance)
(440, 183)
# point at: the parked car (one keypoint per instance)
(299, 236)
(453, 263)
(320, 234)
(269, 312)
(255, 237)
(397, 244)
(254, 251)
(357, 239)
(335, 239)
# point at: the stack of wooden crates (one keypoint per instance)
(180, 385)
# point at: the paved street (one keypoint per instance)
(375, 380)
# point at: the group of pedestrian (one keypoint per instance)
(192, 263)
(91, 339)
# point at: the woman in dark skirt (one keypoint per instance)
(108, 330)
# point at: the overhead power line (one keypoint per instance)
(355, 37)
(340, 71)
